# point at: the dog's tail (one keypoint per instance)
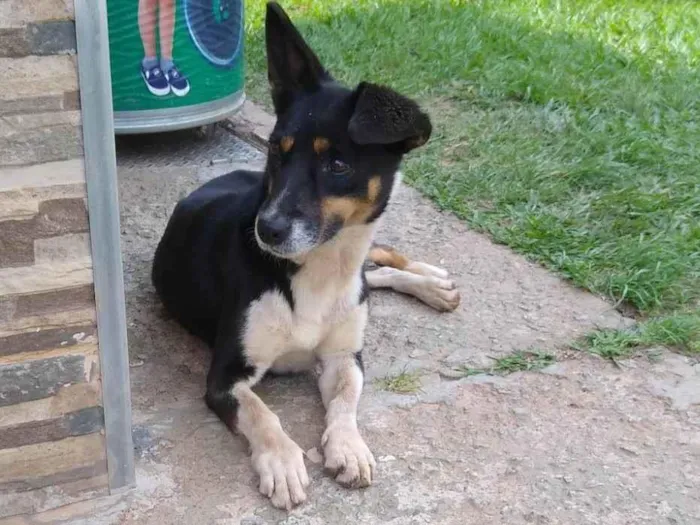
(383, 255)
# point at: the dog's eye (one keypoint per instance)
(338, 166)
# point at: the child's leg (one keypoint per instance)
(147, 27)
(167, 28)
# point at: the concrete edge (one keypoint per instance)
(252, 125)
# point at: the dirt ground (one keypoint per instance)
(581, 442)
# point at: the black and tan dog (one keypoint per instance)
(267, 268)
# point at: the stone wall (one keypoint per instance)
(52, 448)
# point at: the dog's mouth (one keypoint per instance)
(270, 249)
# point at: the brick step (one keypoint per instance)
(46, 177)
(39, 27)
(23, 188)
(57, 232)
(34, 84)
(42, 311)
(40, 137)
(45, 277)
(18, 13)
(41, 39)
(68, 399)
(34, 477)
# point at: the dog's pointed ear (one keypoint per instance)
(291, 65)
(383, 116)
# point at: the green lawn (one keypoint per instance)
(568, 130)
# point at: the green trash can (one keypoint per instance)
(175, 64)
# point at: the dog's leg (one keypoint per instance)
(276, 458)
(346, 455)
(387, 256)
(434, 291)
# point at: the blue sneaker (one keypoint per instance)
(155, 80)
(178, 83)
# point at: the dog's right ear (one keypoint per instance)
(291, 65)
(383, 116)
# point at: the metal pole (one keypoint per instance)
(103, 210)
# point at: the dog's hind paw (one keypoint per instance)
(282, 472)
(438, 293)
(347, 457)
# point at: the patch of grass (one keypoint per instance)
(569, 131)
(403, 383)
(522, 361)
(515, 362)
(680, 331)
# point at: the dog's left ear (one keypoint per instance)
(383, 116)
(291, 64)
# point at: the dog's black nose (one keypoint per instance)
(273, 230)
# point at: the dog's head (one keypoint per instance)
(334, 151)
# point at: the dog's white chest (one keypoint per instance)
(276, 333)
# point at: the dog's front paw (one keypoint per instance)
(347, 457)
(283, 477)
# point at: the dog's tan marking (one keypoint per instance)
(374, 188)
(350, 210)
(388, 256)
(276, 458)
(346, 455)
(434, 291)
(287, 143)
(321, 145)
